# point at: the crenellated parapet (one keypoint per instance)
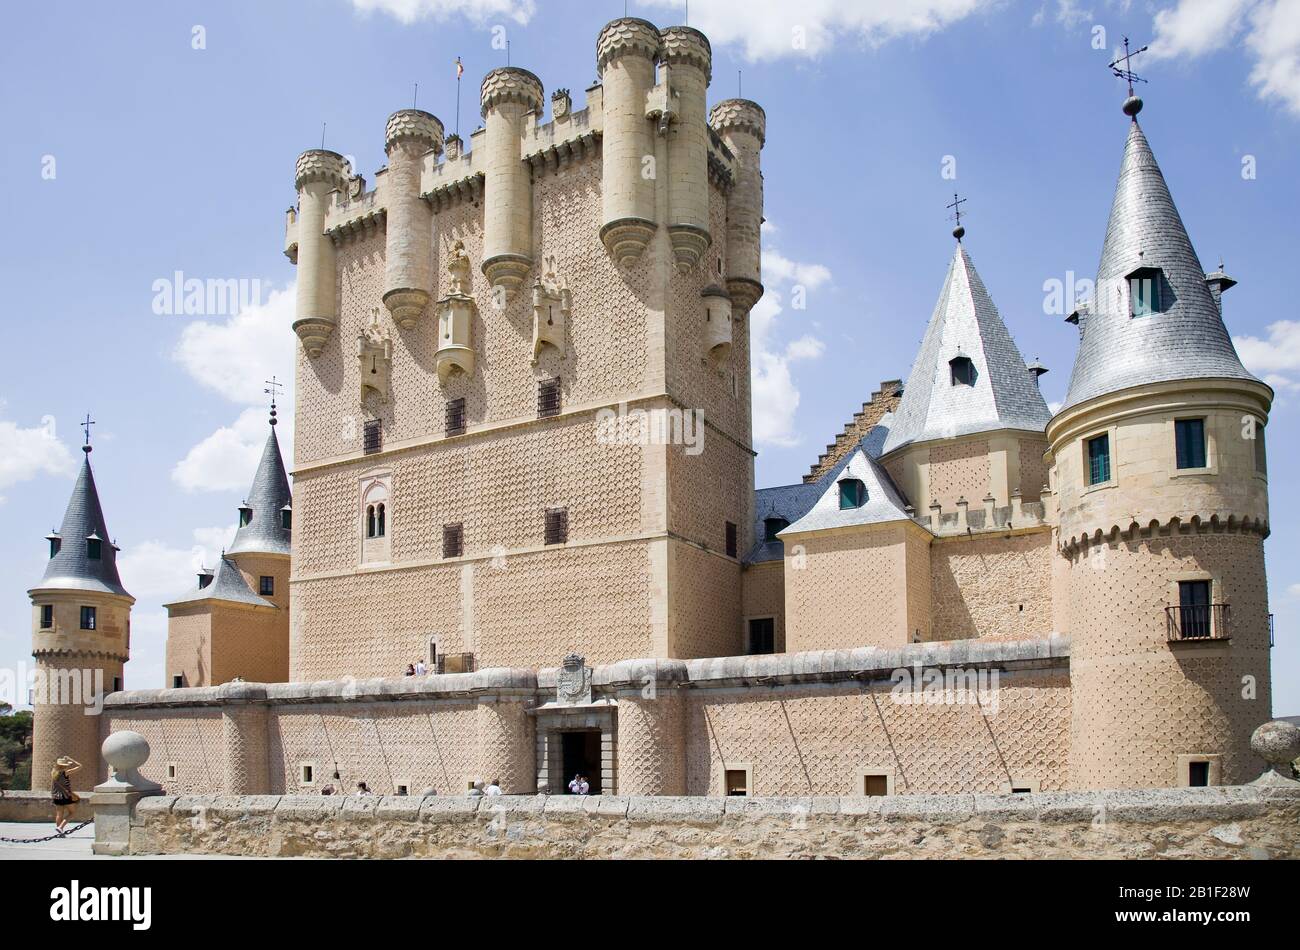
(415, 126)
(508, 96)
(742, 126)
(739, 115)
(318, 174)
(627, 36)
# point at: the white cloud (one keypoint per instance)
(234, 359)
(771, 29)
(1277, 359)
(477, 11)
(775, 393)
(156, 571)
(1269, 30)
(26, 453)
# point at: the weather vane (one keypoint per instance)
(272, 389)
(1133, 105)
(958, 232)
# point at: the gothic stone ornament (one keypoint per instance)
(573, 686)
(561, 104)
(456, 314)
(375, 359)
(552, 304)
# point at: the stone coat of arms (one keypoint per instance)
(573, 686)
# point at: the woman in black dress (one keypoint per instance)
(64, 798)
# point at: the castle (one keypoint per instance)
(503, 347)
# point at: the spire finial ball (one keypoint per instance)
(959, 232)
(1132, 106)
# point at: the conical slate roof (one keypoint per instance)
(1188, 339)
(270, 494)
(1005, 394)
(228, 585)
(73, 568)
(884, 502)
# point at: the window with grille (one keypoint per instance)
(557, 525)
(372, 440)
(1099, 460)
(731, 539)
(88, 618)
(47, 616)
(456, 417)
(1195, 613)
(266, 586)
(1189, 436)
(453, 540)
(548, 398)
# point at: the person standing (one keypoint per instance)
(61, 793)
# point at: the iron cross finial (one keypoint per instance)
(86, 425)
(958, 232)
(1126, 73)
(272, 389)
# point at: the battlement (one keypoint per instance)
(686, 46)
(511, 84)
(742, 115)
(628, 36)
(416, 126)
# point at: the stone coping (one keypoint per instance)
(1148, 806)
(21, 805)
(825, 666)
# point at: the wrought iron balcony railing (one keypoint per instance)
(455, 663)
(1202, 622)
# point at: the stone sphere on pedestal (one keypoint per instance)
(125, 752)
(1278, 744)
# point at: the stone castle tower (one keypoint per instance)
(81, 637)
(235, 624)
(1159, 471)
(464, 325)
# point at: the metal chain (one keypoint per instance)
(54, 837)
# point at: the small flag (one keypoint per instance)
(460, 68)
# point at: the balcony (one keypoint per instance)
(1204, 622)
(454, 663)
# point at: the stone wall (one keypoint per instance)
(1214, 823)
(27, 806)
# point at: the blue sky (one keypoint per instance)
(160, 137)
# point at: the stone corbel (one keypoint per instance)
(375, 360)
(552, 304)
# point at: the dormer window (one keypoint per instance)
(245, 516)
(286, 518)
(56, 544)
(94, 548)
(853, 494)
(963, 371)
(1144, 291)
(772, 527)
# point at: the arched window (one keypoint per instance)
(853, 494)
(381, 521)
(370, 521)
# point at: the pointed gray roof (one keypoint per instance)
(1188, 340)
(227, 585)
(270, 494)
(885, 503)
(72, 568)
(1005, 394)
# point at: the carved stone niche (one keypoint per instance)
(552, 304)
(717, 325)
(456, 313)
(375, 359)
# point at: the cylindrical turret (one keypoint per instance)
(408, 260)
(319, 173)
(626, 54)
(508, 96)
(742, 125)
(651, 726)
(688, 60)
(244, 740)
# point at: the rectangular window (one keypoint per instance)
(453, 540)
(875, 786)
(87, 618)
(178, 681)
(1099, 460)
(171, 770)
(308, 773)
(1261, 454)
(1194, 609)
(557, 525)
(731, 539)
(1198, 774)
(266, 586)
(762, 636)
(737, 782)
(94, 548)
(372, 440)
(47, 616)
(117, 684)
(548, 398)
(455, 417)
(286, 518)
(1189, 435)
(1144, 291)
